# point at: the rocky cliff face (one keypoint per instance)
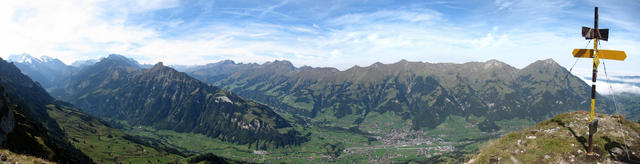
(7, 120)
(563, 139)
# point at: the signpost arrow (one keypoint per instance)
(596, 34)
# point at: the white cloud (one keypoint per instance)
(614, 88)
(70, 29)
(608, 88)
(76, 30)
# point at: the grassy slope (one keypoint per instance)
(102, 143)
(629, 105)
(562, 139)
(20, 158)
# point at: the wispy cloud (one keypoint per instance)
(386, 16)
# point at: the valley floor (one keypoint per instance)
(456, 140)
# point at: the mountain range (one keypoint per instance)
(51, 73)
(161, 97)
(425, 93)
(276, 106)
(47, 71)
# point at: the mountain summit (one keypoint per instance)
(48, 71)
(119, 59)
(562, 139)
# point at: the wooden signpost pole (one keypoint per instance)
(597, 35)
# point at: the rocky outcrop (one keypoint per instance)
(563, 139)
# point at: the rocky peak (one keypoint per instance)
(546, 66)
(544, 63)
(227, 62)
(120, 60)
(376, 64)
(279, 64)
(159, 67)
(493, 63)
(159, 64)
(83, 63)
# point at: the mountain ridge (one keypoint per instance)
(471, 88)
(48, 71)
(58, 131)
(34, 132)
(164, 98)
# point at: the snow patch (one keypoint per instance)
(23, 58)
(223, 99)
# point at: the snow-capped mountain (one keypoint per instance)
(49, 72)
(23, 58)
(26, 58)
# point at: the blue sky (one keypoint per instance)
(323, 33)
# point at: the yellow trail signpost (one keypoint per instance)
(596, 34)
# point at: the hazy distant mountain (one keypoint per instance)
(83, 63)
(164, 98)
(181, 68)
(424, 93)
(52, 73)
(47, 71)
(131, 61)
